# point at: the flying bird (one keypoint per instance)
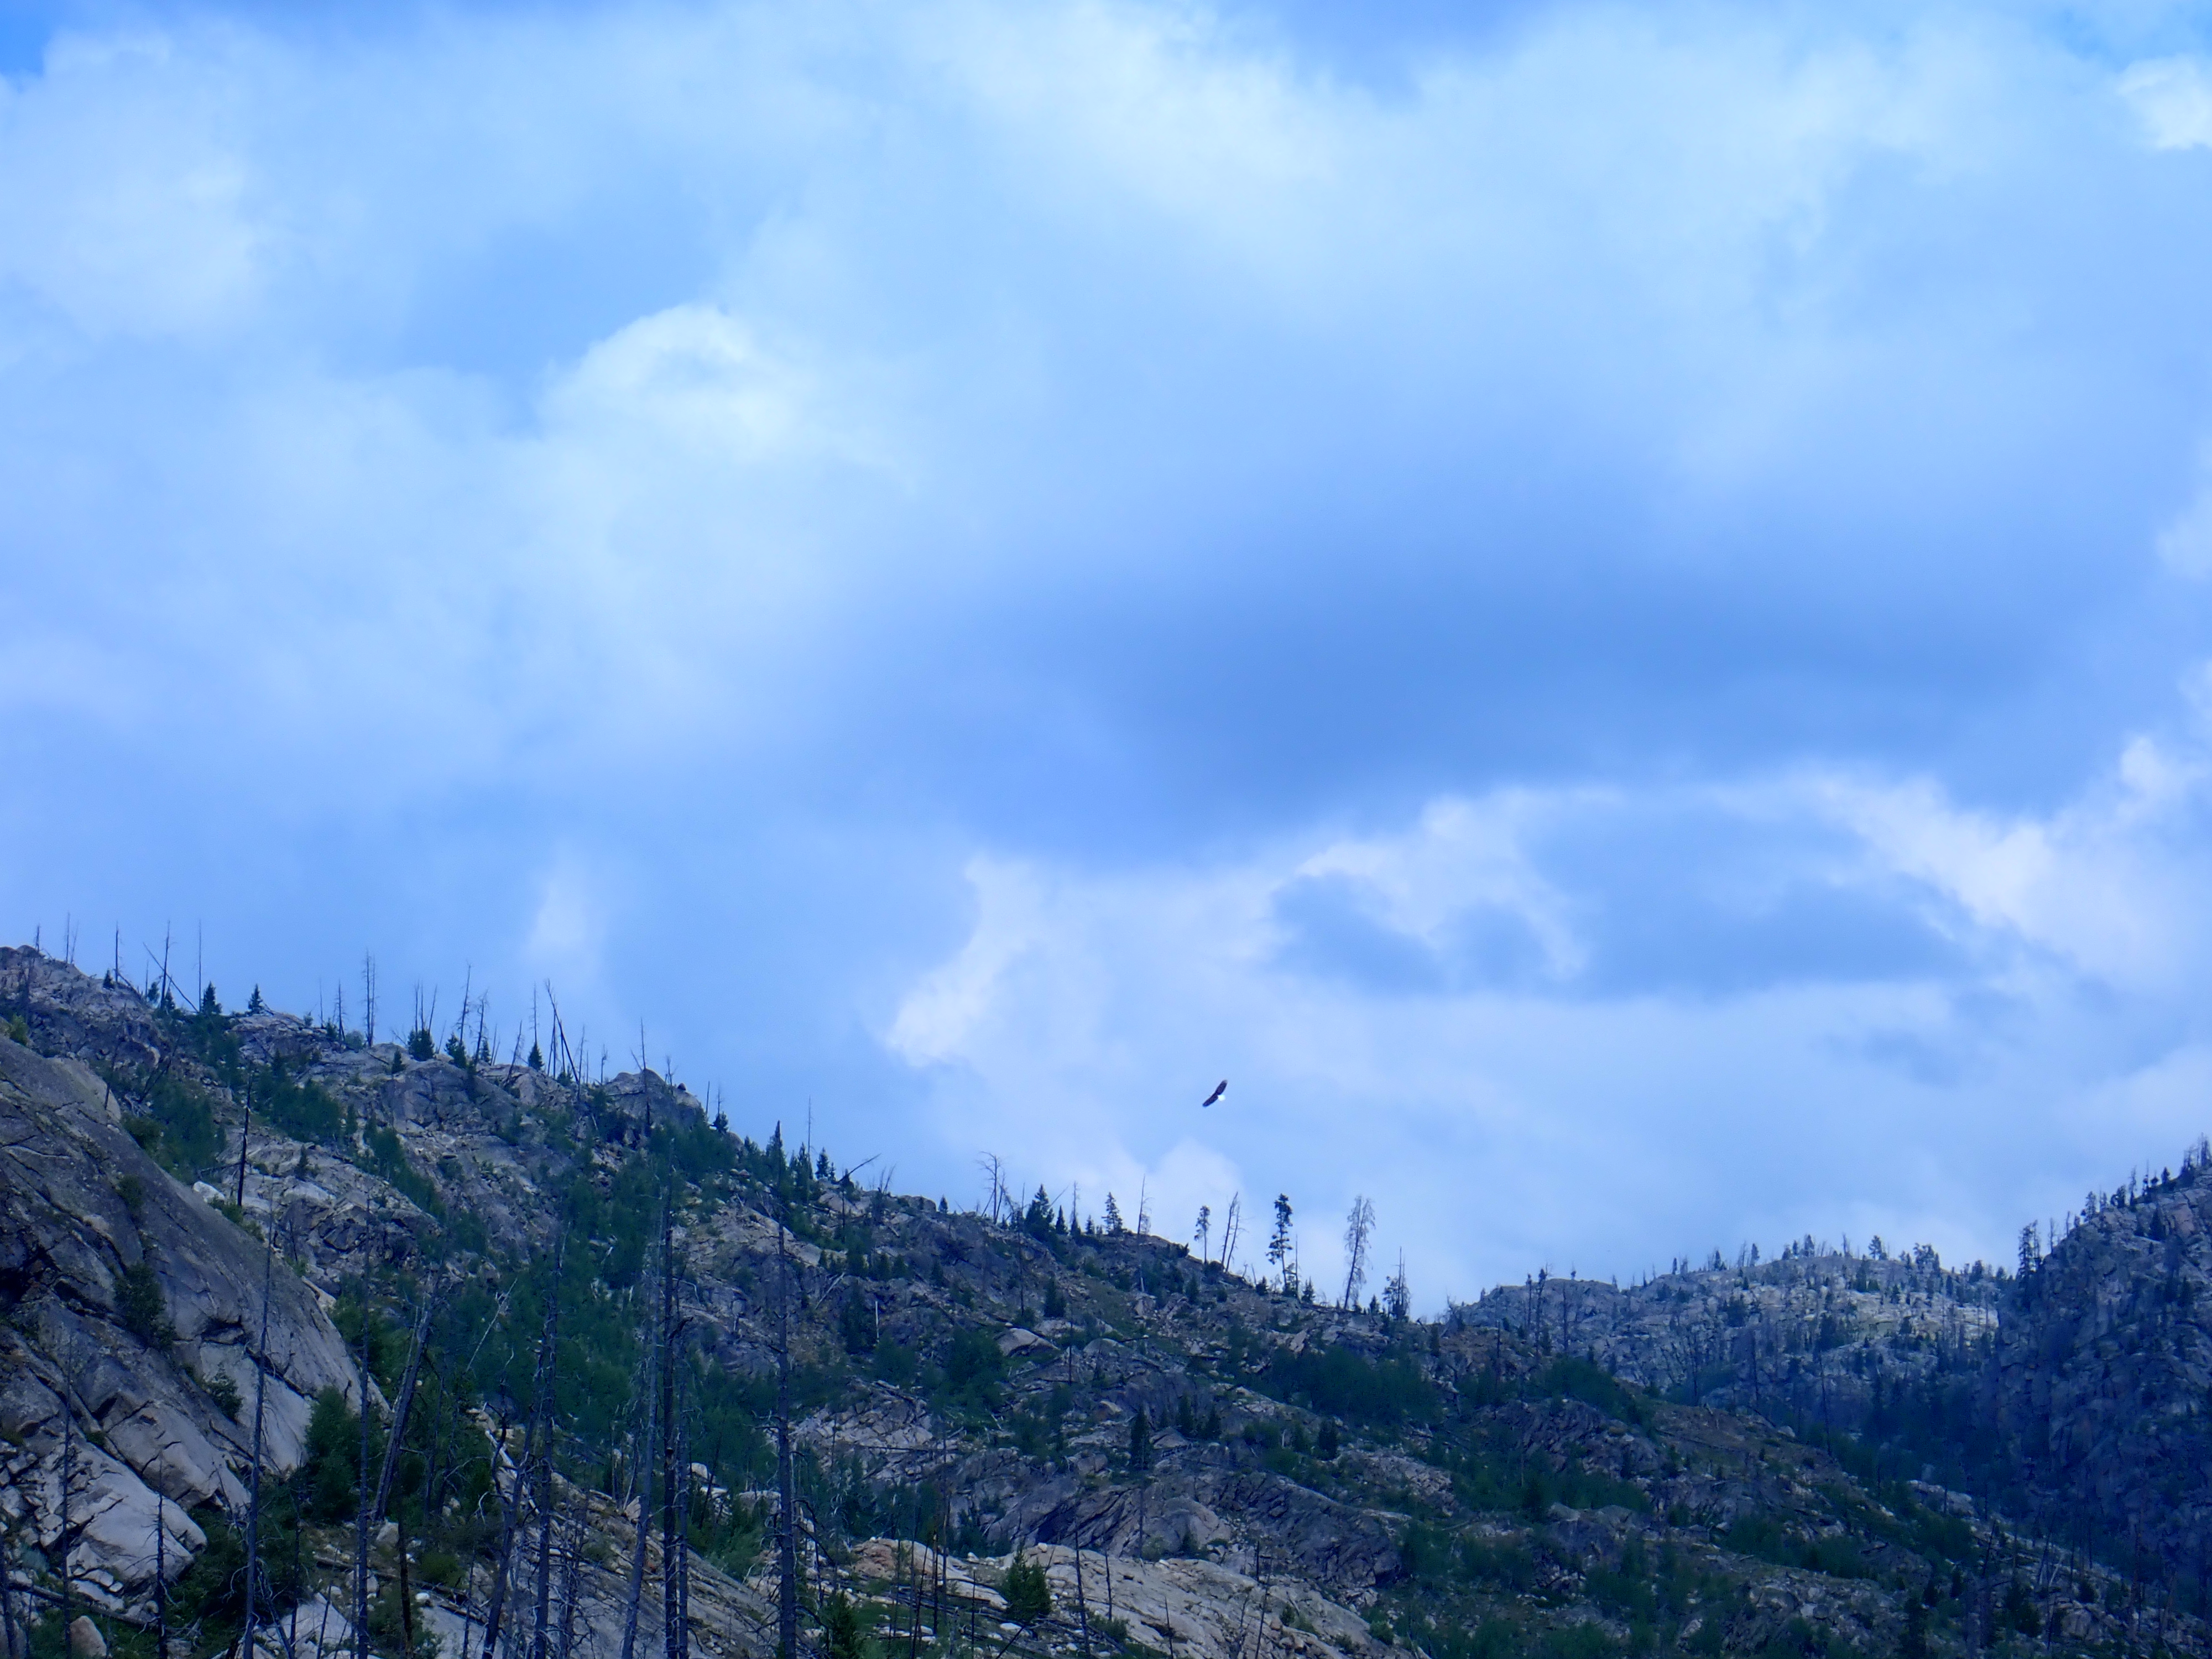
(1219, 1090)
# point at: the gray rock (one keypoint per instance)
(67, 1236)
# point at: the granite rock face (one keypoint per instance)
(122, 1298)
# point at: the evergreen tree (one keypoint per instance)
(1029, 1595)
(1113, 1215)
(1397, 1300)
(1278, 1243)
(1140, 1442)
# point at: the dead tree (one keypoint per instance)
(684, 1551)
(511, 1511)
(10, 1647)
(69, 1475)
(361, 1501)
(400, 1411)
(641, 1478)
(406, 1589)
(542, 1413)
(671, 1593)
(1359, 1229)
(253, 1501)
(787, 1604)
(161, 1576)
(1082, 1603)
(571, 1577)
(540, 1626)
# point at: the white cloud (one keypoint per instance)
(1511, 1125)
(129, 191)
(939, 1019)
(679, 425)
(2172, 99)
(568, 929)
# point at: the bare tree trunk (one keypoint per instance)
(542, 1412)
(511, 1513)
(253, 1502)
(671, 1632)
(361, 1501)
(787, 1607)
(637, 1568)
(542, 1613)
(571, 1575)
(641, 1476)
(406, 1594)
(8, 1646)
(399, 1411)
(160, 1583)
(245, 1128)
(1082, 1603)
(69, 1474)
(683, 1552)
(495, 1598)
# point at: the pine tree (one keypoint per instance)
(1113, 1215)
(1278, 1244)
(1397, 1300)
(1028, 1593)
(1140, 1442)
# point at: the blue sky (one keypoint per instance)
(1604, 607)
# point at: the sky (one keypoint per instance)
(1602, 607)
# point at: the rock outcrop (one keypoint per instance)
(128, 1306)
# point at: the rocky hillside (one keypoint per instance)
(1894, 1351)
(1012, 1431)
(2103, 1376)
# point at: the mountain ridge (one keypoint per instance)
(1722, 1460)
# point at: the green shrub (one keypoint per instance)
(973, 1366)
(1338, 1382)
(140, 1305)
(1029, 1595)
(333, 1452)
(305, 1111)
(177, 1126)
(224, 1392)
(1570, 1377)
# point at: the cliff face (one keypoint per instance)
(126, 1306)
(1194, 1463)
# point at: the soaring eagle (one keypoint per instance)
(1219, 1090)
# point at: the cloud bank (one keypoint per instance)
(1606, 610)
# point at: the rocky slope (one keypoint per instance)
(132, 1334)
(982, 1404)
(2103, 1376)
